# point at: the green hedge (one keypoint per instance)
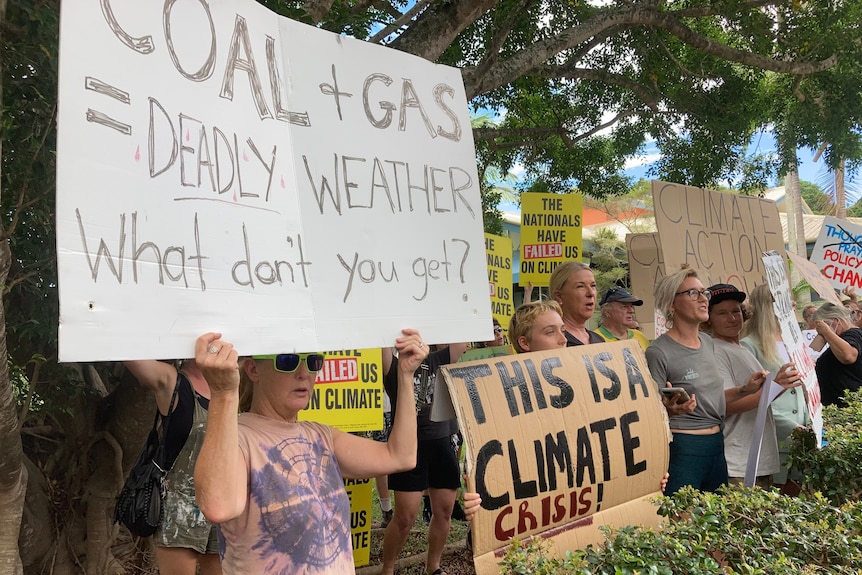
(740, 530)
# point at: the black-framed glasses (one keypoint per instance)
(498, 329)
(289, 362)
(694, 294)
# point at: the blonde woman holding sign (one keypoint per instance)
(684, 357)
(275, 484)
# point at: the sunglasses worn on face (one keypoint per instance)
(289, 362)
(498, 329)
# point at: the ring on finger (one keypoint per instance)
(213, 349)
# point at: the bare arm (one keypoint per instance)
(456, 350)
(528, 293)
(157, 376)
(359, 457)
(843, 350)
(221, 474)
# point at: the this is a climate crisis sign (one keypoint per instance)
(558, 443)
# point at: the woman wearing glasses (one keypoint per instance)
(685, 357)
(274, 484)
(839, 368)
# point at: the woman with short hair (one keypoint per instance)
(573, 286)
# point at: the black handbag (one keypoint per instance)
(140, 504)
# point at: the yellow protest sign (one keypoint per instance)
(550, 234)
(359, 493)
(348, 395)
(498, 251)
(559, 443)
(348, 391)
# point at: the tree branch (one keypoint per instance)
(317, 9)
(439, 25)
(399, 22)
(531, 58)
(572, 72)
(492, 53)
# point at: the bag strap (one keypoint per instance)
(162, 433)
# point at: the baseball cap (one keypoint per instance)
(724, 292)
(617, 293)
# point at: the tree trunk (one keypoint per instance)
(13, 476)
(840, 194)
(795, 228)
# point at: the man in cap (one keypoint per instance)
(618, 317)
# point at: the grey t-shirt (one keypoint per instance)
(737, 364)
(696, 371)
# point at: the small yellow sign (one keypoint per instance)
(348, 391)
(498, 251)
(359, 493)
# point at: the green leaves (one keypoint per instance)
(741, 530)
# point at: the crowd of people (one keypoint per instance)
(272, 486)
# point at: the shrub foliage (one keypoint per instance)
(740, 530)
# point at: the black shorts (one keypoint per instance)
(436, 467)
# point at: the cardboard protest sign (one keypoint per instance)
(646, 269)
(348, 391)
(221, 168)
(498, 252)
(559, 442)
(721, 235)
(359, 493)
(838, 253)
(791, 336)
(815, 278)
(550, 234)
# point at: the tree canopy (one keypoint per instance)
(581, 86)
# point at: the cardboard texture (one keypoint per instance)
(838, 253)
(646, 268)
(721, 235)
(558, 443)
(815, 279)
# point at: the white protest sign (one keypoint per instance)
(771, 390)
(791, 335)
(838, 252)
(222, 168)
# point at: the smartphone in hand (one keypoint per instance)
(672, 391)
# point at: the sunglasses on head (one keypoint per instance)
(289, 362)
